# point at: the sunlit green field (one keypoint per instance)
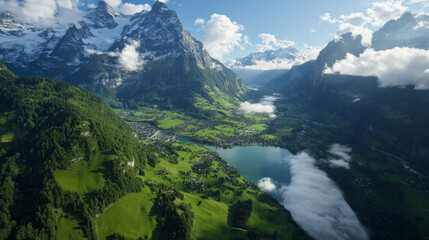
(85, 176)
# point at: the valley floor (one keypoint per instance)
(390, 198)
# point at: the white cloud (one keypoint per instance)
(222, 36)
(130, 9)
(267, 184)
(44, 12)
(199, 21)
(339, 163)
(393, 67)
(69, 4)
(91, 51)
(424, 2)
(343, 153)
(382, 12)
(216, 66)
(247, 107)
(421, 24)
(127, 8)
(354, 23)
(317, 204)
(114, 3)
(129, 57)
(266, 105)
(270, 42)
(312, 30)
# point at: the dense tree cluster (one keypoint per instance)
(240, 213)
(175, 220)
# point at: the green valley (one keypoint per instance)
(92, 178)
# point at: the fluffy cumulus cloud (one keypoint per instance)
(392, 67)
(127, 8)
(267, 184)
(270, 42)
(221, 35)
(342, 154)
(317, 204)
(382, 12)
(130, 9)
(199, 21)
(354, 23)
(44, 12)
(266, 105)
(129, 58)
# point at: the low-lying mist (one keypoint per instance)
(315, 201)
(266, 105)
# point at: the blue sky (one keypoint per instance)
(286, 19)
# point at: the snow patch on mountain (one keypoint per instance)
(9, 22)
(104, 37)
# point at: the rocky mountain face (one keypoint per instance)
(303, 77)
(103, 16)
(410, 30)
(9, 22)
(95, 53)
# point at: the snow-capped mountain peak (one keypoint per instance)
(282, 58)
(9, 22)
(103, 16)
(156, 35)
(159, 6)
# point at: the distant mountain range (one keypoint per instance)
(142, 57)
(271, 59)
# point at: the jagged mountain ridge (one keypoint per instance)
(410, 30)
(174, 64)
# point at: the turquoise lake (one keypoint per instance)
(253, 162)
